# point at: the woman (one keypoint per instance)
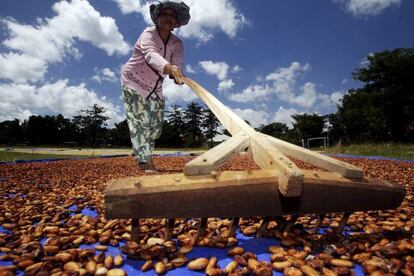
(157, 53)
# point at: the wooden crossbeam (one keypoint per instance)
(315, 158)
(230, 121)
(289, 176)
(244, 193)
(212, 159)
(268, 152)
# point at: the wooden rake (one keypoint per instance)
(278, 188)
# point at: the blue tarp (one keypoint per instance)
(86, 157)
(371, 157)
(188, 154)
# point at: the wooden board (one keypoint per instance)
(230, 121)
(235, 125)
(290, 177)
(212, 159)
(244, 193)
(316, 159)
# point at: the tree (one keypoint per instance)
(171, 137)
(11, 132)
(359, 119)
(277, 130)
(309, 125)
(193, 119)
(120, 134)
(388, 80)
(210, 124)
(90, 124)
(176, 118)
(226, 132)
(42, 130)
(172, 129)
(383, 109)
(65, 129)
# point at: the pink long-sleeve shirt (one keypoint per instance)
(144, 70)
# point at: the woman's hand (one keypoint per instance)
(174, 73)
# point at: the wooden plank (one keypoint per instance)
(135, 229)
(315, 158)
(290, 177)
(244, 193)
(215, 157)
(233, 123)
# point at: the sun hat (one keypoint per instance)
(181, 9)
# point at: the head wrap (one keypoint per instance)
(181, 10)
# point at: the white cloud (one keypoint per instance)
(337, 96)
(22, 100)
(254, 117)
(329, 100)
(54, 38)
(207, 17)
(177, 93)
(189, 69)
(212, 15)
(21, 67)
(344, 81)
(284, 79)
(284, 116)
(282, 83)
(367, 7)
(219, 69)
(105, 74)
(236, 68)
(225, 85)
(129, 6)
(308, 97)
(365, 62)
(251, 93)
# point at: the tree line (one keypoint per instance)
(193, 126)
(381, 110)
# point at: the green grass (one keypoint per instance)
(401, 151)
(10, 156)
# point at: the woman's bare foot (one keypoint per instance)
(147, 167)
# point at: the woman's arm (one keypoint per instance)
(174, 70)
(177, 56)
(149, 48)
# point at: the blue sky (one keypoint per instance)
(266, 60)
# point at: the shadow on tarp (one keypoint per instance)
(132, 267)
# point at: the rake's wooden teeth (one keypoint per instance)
(289, 225)
(200, 231)
(281, 222)
(135, 230)
(342, 224)
(263, 227)
(170, 229)
(318, 223)
(233, 226)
